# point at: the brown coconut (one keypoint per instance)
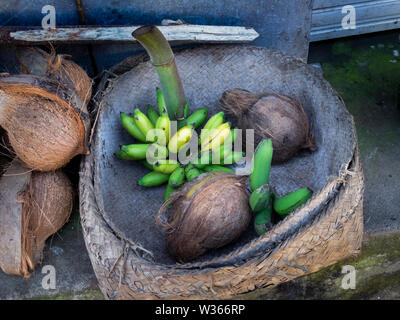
(44, 127)
(208, 212)
(6, 153)
(271, 115)
(38, 62)
(33, 206)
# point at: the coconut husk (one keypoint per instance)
(209, 212)
(6, 152)
(272, 116)
(33, 206)
(40, 116)
(38, 62)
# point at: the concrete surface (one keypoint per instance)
(366, 72)
(376, 276)
(65, 251)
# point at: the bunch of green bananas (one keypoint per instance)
(158, 144)
(262, 200)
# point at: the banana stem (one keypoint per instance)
(163, 60)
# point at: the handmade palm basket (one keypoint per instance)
(128, 250)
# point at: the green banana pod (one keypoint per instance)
(123, 155)
(263, 220)
(260, 198)
(129, 124)
(143, 123)
(153, 179)
(261, 164)
(165, 166)
(195, 119)
(285, 205)
(191, 173)
(162, 107)
(205, 159)
(135, 151)
(177, 178)
(152, 114)
(212, 123)
(216, 138)
(164, 124)
(146, 164)
(181, 138)
(168, 191)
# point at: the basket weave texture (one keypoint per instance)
(123, 246)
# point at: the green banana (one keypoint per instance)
(260, 198)
(165, 166)
(221, 153)
(216, 167)
(186, 110)
(168, 191)
(195, 119)
(143, 151)
(123, 155)
(164, 124)
(261, 164)
(262, 220)
(153, 179)
(225, 155)
(129, 124)
(146, 164)
(162, 107)
(212, 123)
(191, 172)
(216, 138)
(234, 134)
(152, 114)
(177, 178)
(143, 123)
(136, 151)
(180, 138)
(233, 157)
(156, 152)
(205, 159)
(285, 205)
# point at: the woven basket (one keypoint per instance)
(126, 248)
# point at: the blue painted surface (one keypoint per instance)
(29, 12)
(282, 24)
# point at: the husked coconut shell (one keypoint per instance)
(6, 153)
(38, 62)
(43, 127)
(272, 116)
(33, 206)
(209, 212)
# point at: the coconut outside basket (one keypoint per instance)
(126, 248)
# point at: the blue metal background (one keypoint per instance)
(282, 24)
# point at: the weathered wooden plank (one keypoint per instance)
(183, 32)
